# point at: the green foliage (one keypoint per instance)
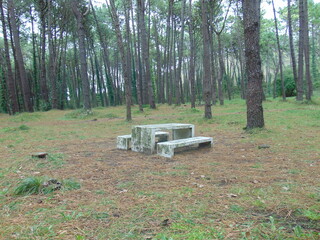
(15, 129)
(289, 84)
(30, 185)
(79, 114)
(44, 106)
(110, 115)
(312, 214)
(25, 117)
(41, 185)
(70, 184)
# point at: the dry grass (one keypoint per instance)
(231, 191)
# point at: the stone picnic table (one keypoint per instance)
(143, 137)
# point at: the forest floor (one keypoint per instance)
(234, 190)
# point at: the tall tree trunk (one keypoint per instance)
(52, 58)
(128, 52)
(180, 53)
(283, 90)
(102, 40)
(145, 53)
(11, 86)
(44, 93)
(115, 21)
(251, 22)
(35, 85)
(306, 48)
(26, 91)
(137, 62)
(159, 62)
(192, 57)
(222, 70)
(82, 55)
(206, 62)
(292, 53)
(299, 84)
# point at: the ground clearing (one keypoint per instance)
(231, 191)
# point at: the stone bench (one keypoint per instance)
(166, 149)
(124, 141)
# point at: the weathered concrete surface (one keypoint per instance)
(166, 149)
(124, 141)
(144, 139)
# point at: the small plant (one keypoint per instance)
(70, 184)
(40, 185)
(79, 114)
(312, 214)
(30, 185)
(15, 129)
(23, 127)
(111, 116)
(236, 208)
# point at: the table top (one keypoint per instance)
(166, 126)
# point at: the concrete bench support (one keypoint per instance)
(124, 141)
(166, 149)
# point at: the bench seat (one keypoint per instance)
(124, 141)
(166, 149)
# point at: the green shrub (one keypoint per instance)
(30, 185)
(70, 184)
(289, 83)
(23, 127)
(41, 185)
(44, 106)
(79, 114)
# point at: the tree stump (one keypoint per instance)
(40, 155)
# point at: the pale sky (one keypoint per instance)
(277, 4)
(264, 5)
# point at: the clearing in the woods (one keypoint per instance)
(262, 184)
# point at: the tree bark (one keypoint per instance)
(251, 22)
(299, 84)
(292, 53)
(82, 55)
(10, 82)
(283, 90)
(104, 47)
(137, 62)
(52, 59)
(206, 61)
(145, 54)
(115, 21)
(306, 48)
(192, 58)
(26, 91)
(179, 94)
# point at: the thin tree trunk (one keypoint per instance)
(52, 59)
(115, 20)
(27, 96)
(137, 62)
(128, 52)
(222, 71)
(82, 55)
(206, 62)
(180, 55)
(292, 53)
(283, 90)
(299, 84)
(306, 48)
(102, 40)
(192, 57)
(145, 54)
(11, 86)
